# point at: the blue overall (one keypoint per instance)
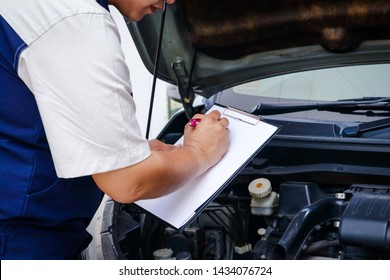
(41, 215)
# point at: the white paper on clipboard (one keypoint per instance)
(248, 134)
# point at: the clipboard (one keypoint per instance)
(248, 135)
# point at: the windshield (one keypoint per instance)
(324, 85)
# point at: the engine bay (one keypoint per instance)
(300, 198)
(297, 220)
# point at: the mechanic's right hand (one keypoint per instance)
(210, 138)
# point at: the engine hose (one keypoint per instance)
(290, 245)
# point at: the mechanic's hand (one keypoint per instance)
(157, 145)
(210, 138)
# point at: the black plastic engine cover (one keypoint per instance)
(366, 221)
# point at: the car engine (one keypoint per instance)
(297, 220)
(299, 198)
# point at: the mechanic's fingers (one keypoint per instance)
(215, 115)
(224, 122)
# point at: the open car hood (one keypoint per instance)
(209, 46)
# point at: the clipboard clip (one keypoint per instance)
(241, 115)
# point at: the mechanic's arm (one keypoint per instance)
(167, 167)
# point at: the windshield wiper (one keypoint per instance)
(358, 130)
(342, 106)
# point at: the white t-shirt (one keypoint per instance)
(74, 65)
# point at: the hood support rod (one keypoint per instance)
(186, 92)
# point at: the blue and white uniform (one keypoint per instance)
(66, 112)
